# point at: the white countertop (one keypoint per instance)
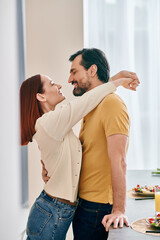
(137, 209)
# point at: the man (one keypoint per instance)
(104, 137)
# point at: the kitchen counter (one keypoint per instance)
(137, 209)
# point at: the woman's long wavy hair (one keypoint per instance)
(30, 109)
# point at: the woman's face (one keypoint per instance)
(51, 91)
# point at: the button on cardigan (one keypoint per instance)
(60, 148)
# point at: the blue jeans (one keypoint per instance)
(49, 219)
(87, 222)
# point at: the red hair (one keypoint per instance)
(30, 109)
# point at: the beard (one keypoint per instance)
(81, 87)
(79, 91)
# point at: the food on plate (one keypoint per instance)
(144, 189)
(155, 221)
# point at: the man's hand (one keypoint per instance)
(118, 219)
(44, 173)
(125, 74)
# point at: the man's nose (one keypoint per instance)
(70, 79)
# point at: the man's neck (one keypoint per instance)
(95, 83)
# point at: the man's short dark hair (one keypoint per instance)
(95, 56)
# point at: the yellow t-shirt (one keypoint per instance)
(108, 118)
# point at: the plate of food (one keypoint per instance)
(154, 221)
(144, 190)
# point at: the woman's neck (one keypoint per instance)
(46, 108)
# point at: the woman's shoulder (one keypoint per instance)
(50, 118)
(50, 114)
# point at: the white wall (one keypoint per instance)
(54, 30)
(11, 215)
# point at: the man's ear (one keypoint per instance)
(40, 97)
(93, 70)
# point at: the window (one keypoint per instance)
(129, 33)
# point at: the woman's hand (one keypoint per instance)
(128, 83)
(124, 74)
(132, 85)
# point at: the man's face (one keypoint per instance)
(79, 77)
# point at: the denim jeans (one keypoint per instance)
(49, 219)
(87, 222)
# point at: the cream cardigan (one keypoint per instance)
(60, 149)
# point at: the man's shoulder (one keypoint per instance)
(113, 100)
(114, 110)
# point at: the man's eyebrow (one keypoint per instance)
(72, 69)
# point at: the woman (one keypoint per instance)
(53, 210)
